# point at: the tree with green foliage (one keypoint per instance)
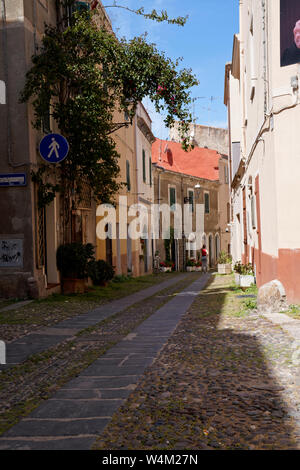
(84, 74)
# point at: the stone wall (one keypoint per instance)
(213, 138)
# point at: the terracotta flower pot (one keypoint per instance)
(224, 268)
(74, 286)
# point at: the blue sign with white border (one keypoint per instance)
(54, 148)
(12, 179)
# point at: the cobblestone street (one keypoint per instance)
(227, 378)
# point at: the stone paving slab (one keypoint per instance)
(19, 350)
(16, 305)
(101, 389)
(76, 409)
(77, 443)
(288, 324)
(68, 427)
(88, 383)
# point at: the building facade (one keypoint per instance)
(192, 178)
(262, 97)
(134, 145)
(214, 138)
(29, 236)
(28, 265)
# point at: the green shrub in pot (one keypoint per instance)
(100, 272)
(73, 259)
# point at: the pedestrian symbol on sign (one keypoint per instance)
(54, 148)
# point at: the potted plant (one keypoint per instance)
(163, 266)
(237, 272)
(247, 275)
(166, 267)
(72, 261)
(198, 266)
(100, 272)
(224, 263)
(191, 265)
(169, 266)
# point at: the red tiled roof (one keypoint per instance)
(200, 162)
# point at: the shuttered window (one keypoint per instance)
(206, 203)
(144, 166)
(191, 200)
(172, 197)
(150, 171)
(128, 175)
(253, 212)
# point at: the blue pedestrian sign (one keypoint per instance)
(54, 148)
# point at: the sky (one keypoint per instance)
(204, 43)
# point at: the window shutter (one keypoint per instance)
(150, 171)
(144, 166)
(253, 212)
(206, 202)
(128, 175)
(191, 200)
(172, 196)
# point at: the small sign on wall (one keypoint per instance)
(12, 179)
(11, 253)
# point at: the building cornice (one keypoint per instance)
(145, 129)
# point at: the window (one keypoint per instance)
(253, 212)
(150, 171)
(172, 195)
(191, 200)
(226, 173)
(206, 202)
(144, 166)
(228, 213)
(81, 6)
(128, 175)
(72, 8)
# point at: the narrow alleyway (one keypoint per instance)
(226, 378)
(44, 338)
(43, 374)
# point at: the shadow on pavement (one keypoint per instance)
(240, 402)
(210, 388)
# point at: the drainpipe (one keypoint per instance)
(264, 27)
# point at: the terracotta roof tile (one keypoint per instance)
(200, 162)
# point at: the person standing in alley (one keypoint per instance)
(204, 254)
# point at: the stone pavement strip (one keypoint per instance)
(288, 324)
(77, 414)
(19, 350)
(16, 305)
